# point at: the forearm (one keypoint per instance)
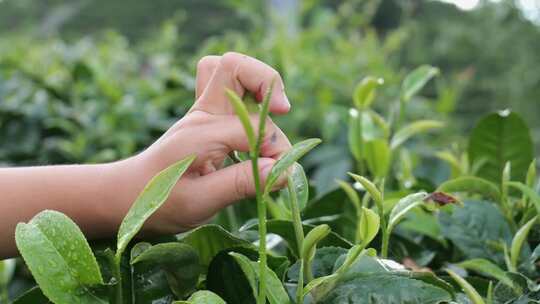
(88, 194)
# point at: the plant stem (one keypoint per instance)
(299, 233)
(118, 276)
(359, 162)
(261, 212)
(385, 240)
(300, 286)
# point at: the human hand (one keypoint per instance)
(211, 131)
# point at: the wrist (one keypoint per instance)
(121, 184)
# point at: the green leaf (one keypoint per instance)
(364, 278)
(500, 138)
(378, 157)
(321, 286)
(355, 134)
(249, 270)
(416, 80)
(486, 267)
(275, 291)
(404, 205)
(209, 240)
(370, 188)
(300, 184)
(59, 258)
(263, 114)
(530, 180)
(382, 288)
(322, 264)
(517, 242)
(364, 93)
(413, 129)
(7, 269)
(469, 290)
(369, 224)
(533, 196)
(285, 229)
(475, 228)
(472, 184)
(313, 237)
(453, 161)
(226, 278)
(149, 200)
(424, 223)
(32, 296)
(241, 111)
(351, 194)
(180, 263)
(288, 159)
(202, 297)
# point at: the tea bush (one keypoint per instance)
(475, 247)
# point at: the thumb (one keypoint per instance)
(230, 184)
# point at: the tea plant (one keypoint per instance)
(472, 238)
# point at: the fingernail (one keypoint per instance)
(280, 99)
(286, 102)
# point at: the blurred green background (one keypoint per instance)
(95, 80)
(87, 81)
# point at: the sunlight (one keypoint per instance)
(464, 4)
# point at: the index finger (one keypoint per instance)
(242, 73)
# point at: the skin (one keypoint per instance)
(97, 197)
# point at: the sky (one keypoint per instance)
(531, 8)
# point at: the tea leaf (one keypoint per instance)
(500, 138)
(249, 270)
(364, 93)
(369, 224)
(300, 185)
(351, 194)
(285, 229)
(370, 188)
(209, 240)
(311, 240)
(288, 159)
(149, 200)
(355, 134)
(453, 161)
(275, 291)
(59, 258)
(517, 242)
(378, 157)
(467, 288)
(319, 282)
(475, 228)
(403, 206)
(472, 184)
(180, 263)
(416, 80)
(533, 196)
(202, 297)
(413, 129)
(241, 111)
(32, 296)
(7, 269)
(385, 288)
(530, 180)
(486, 267)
